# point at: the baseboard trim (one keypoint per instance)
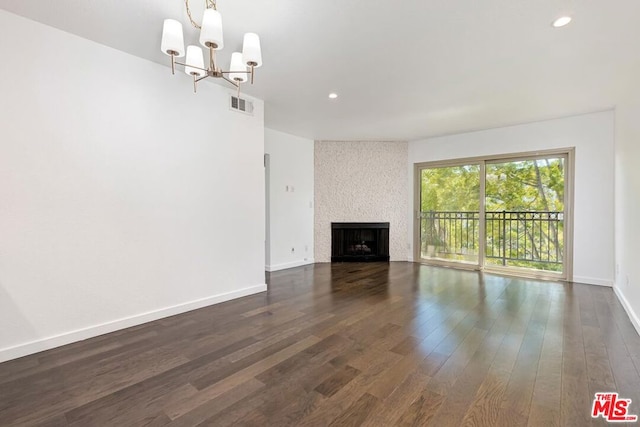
(592, 281)
(48, 343)
(635, 320)
(286, 265)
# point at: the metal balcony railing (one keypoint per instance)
(530, 239)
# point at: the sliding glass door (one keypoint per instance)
(524, 202)
(505, 214)
(449, 213)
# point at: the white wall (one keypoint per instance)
(592, 135)
(124, 197)
(290, 200)
(361, 182)
(627, 284)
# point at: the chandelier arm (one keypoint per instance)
(235, 84)
(234, 72)
(191, 66)
(202, 78)
(232, 82)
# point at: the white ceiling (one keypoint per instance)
(403, 69)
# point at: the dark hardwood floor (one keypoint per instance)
(347, 344)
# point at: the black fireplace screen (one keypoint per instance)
(359, 241)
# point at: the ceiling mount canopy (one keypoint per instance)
(243, 64)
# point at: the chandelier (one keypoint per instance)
(243, 64)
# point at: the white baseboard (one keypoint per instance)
(635, 320)
(285, 265)
(115, 325)
(592, 281)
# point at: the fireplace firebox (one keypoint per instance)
(359, 241)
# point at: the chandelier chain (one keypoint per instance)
(209, 4)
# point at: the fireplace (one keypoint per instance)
(359, 241)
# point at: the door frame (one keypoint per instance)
(569, 185)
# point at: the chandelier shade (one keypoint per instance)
(211, 31)
(172, 38)
(195, 62)
(251, 51)
(238, 68)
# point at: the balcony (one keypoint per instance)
(533, 240)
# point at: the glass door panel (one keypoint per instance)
(524, 213)
(450, 213)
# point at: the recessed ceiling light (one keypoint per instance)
(561, 22)
(333, 95)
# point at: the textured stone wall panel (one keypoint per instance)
(361, 182)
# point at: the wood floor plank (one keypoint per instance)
(490, 397)
(77, 388)
(486, 406)
(202, 405)
(375, 344)
(396, 374)
(355, 414)
(291, 414)
(302, 359)
(333, 406)
(332, 385)
(396, 404)
(575, 404)
(448, 374)
(422, 410)
(516, 406)
(624, 372)
(545, 403)
(462, 394)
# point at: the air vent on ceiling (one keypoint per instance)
(242, 105)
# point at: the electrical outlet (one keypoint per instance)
(306, 248)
